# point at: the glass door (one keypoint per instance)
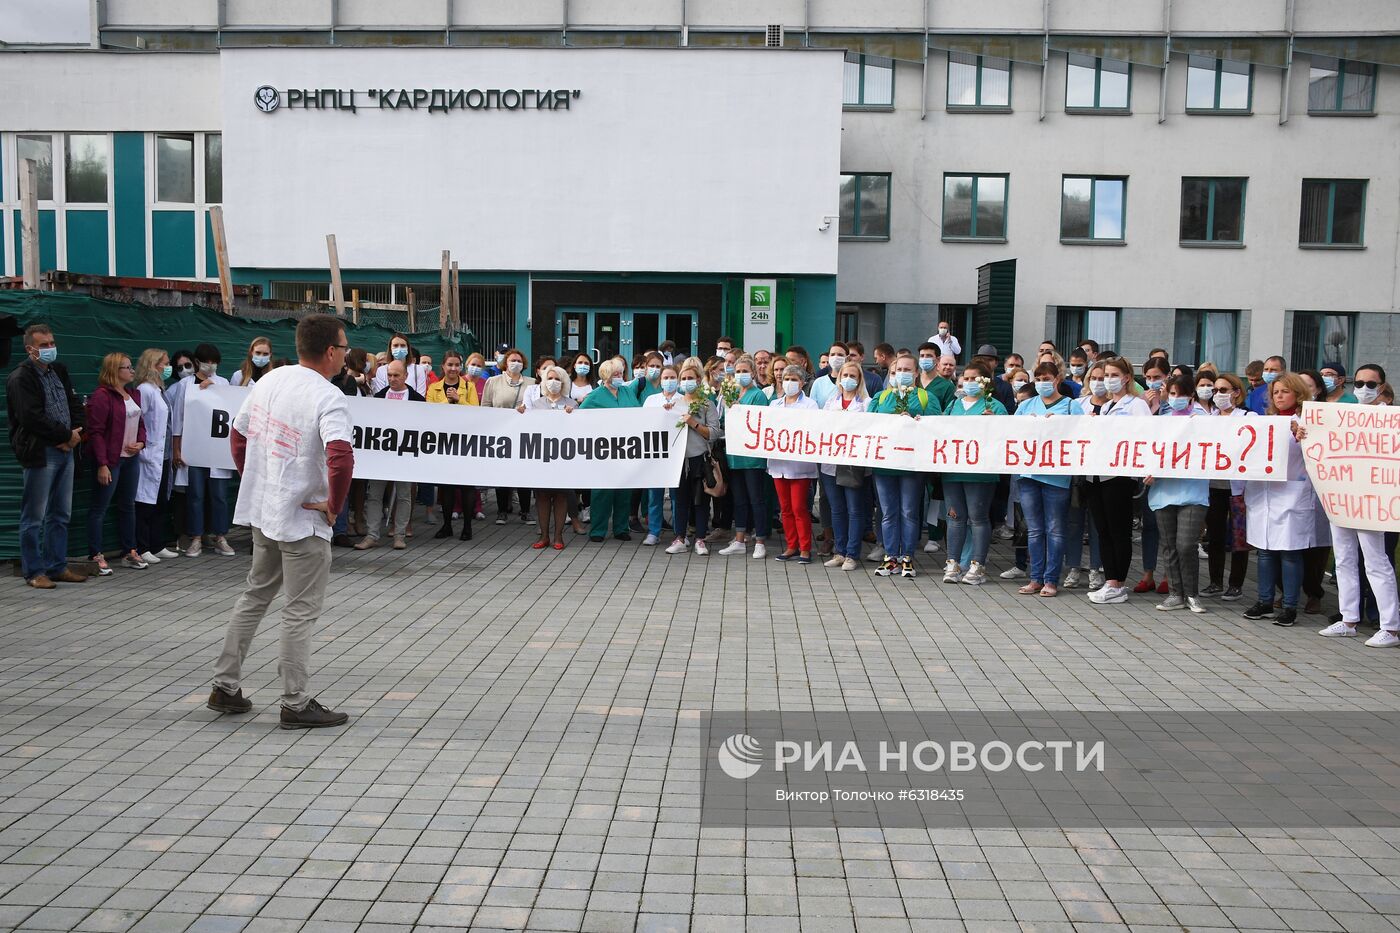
(602, 334)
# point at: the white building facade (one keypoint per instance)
(1220, 180)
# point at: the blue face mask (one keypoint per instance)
(1045, 389)
(653, 372)
(729, 370)
(669, 386)
(688, 386)
(582, 369)
(48, 355)
(260, 360)
(1178, 402)
(1155, 384)
(1330, 382)
(617, 382)
(904, 379)
(400, 353)
(473, 370)
(1269, 377)
(926, 363)
(745, 379)
(970, 389)
(849, 383)
(165, 373)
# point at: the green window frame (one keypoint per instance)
(859, 92)
(858, 222)
(1202, 336)
(1323, 222)
(1191, 188)
(993, 227)
(1075, 325)
(982, 64)
(1096, 64)
(1317, 337)
(1099, 186)
(1344, 76)
(1215, 71)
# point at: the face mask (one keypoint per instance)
(1204, 392)
(653, 372)
(904, 379)
(186, 370)
(926, 363)
(970, 389)
(1178, 402)
(165, 373)
(1155, 384)
(1076, 370)
(1223, 400)
(1097, 387)
(399, 353)
(745, 379)
(616, 382)
(260, 360)
(500, 358)
(688, 386)
(48, 354)
(721, 351)
(669, 386)
(792, 389)
(582, 369)
(638, 373)
(473, 370)
(942, 331)
(849, 383)
(1269, 377)
(1366, 396)
(552, 386)
(836, 362)
(1045, 389)
(208, 369)
(729, 370)
(1330, 382)
(1114, 384)
(1018, 384)
(514, 367)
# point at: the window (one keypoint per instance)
(1319, 337)
(175, 169)
(869, 81)
(1205, 337)
(974, 207)
(1333, 213)
(1337, 86)
(40, 149)
(1214, 84)
(978, 81)
(1212, 210)
(1096, 83)
(1093, 208)
(865, 207)
(1075, 325)
(85, 168)
(213, 168)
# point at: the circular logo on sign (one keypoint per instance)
(267, 98)
(740, 756)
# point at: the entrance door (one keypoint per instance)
(602, 334)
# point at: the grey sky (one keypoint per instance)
(23, 21)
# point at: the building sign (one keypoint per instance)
(269, 99)
(760, 314)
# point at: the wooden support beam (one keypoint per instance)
(456, 312)
(29, 224)
(337, 293)
(412, 310)
(445, 292)
(216, 221)
(355, 306)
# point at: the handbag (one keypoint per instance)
(712, 477)
(851, 477)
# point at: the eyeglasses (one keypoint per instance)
(341, 346)
(1367, 384)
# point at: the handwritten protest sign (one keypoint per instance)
(1353, 457)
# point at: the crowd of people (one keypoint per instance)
(1065, 533)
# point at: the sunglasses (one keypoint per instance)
(1368, 384)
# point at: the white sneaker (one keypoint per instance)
(976, 574)
(849, 564)
(149, 558)
(1172, 603)
(932, 547)
(836, 561)
(1195, 605)
(876, 555)
(480, 516)
(1383, 639)
(650, 541)
(952, 573)
(195, 549)
(1338, 630)
(1073, 578)
(1109, 595)
(677, 546)
(1012, 573)
(1096, 579)
(760, 551)
(701, 547)
(1005, 533)
(733, 547)
(584, 514)
(166, 554)
(221, 547)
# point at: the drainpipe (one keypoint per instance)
(1166, 61)
(1287, 65)
(564, 23)
(923, 93)
(1044, 56)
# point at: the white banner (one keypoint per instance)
(1200, 447)
(1353, 457)
(471, 446)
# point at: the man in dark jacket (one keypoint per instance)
(46, 426)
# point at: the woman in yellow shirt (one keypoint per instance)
(454, 389)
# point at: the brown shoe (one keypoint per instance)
(41, 582)
(366, 543)
(70, 576)
(221, 701)
(1313, 606)
(399, 543)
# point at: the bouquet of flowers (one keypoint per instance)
(701, 397)
(901, 399)
(729, 392)
(988, 396)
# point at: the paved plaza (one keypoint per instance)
(522, 751)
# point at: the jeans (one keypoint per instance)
(848, 508)
(45, 507)
(901, 498)
(687, 500)
(1075, 521)
(1291, 573)
(201, 484)
(655, 500)
(342, 521)
(1044, 507)
(120, 493)
(751, 511)
(1181, 533)
(1151, 538)
(969, 503)
(1218, 542)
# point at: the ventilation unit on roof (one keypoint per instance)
(773, 39)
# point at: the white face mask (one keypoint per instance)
(1097, 387)
(1366, 396)
(1114, 384)
(1205, 392)
(552, 386)
(514, 367)
(791, 389)
(835, 363)
(1223, 400)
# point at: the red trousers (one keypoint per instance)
(797, 520)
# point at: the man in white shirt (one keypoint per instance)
(291, 441)
(944, 340)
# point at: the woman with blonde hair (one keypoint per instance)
(153, 484)
(702, 429)
(115, 435)
(749, 482)
(552, 504)
(1110, 498)
(610, 504)
(507, 389)
(256, 364)
(844, 487)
